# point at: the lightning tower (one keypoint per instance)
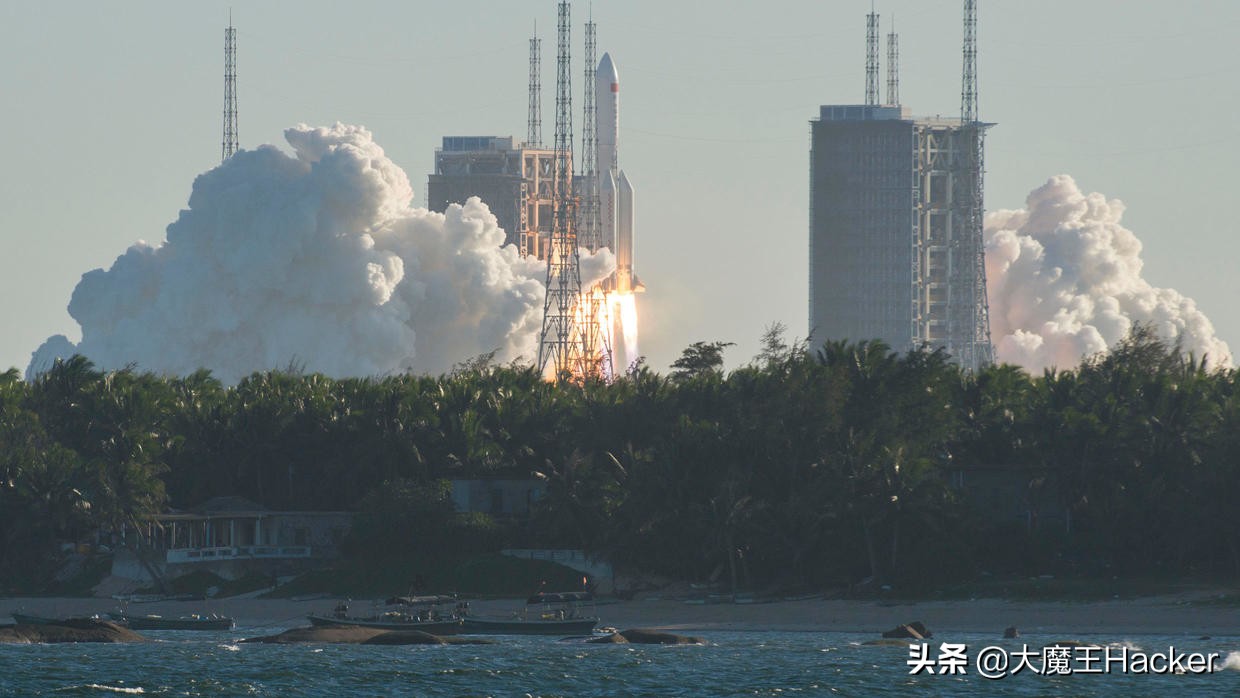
(871, 58)
(229, 144)
(589, 218)
(596, 309)
(968, 82)
(534, 136)
(566, 340)
(893, 66)
(971, 313)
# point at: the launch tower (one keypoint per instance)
(896, 248)
(568, 334)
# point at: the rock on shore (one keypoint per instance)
(642, 636)
(73, 630)
(355, 635)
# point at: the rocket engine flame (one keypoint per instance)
(628, 323)
(623, 330)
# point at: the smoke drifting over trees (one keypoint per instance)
(316, 259)
(1064, 281)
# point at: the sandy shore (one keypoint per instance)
(1185, 615)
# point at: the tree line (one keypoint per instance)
(805, 468)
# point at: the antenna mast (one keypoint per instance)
(534, 137)
(968, 82)
(871, 58)
(564, 339)
(893, 66)
(229, 145)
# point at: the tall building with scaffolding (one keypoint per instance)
(896, 250)
(516, 180)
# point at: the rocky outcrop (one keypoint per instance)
(417, 637)
(73, 630)
(909, 631)
(609, 639)
(355, 635)
(641, 636)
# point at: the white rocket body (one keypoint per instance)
(615, 190)
(607, 104)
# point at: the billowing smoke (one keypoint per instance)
(316, 260)
(1064, 282)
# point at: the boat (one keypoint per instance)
(401, 613)
(30, 619)
(190, 622)
(545, 613)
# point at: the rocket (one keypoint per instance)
(615, 191)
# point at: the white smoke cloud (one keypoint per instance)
(1064, 281)
(316, 259)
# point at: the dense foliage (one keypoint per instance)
(804, 468)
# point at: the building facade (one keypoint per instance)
(896, 249)
(515, 180)
(229, 536)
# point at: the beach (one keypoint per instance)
(1188, 614)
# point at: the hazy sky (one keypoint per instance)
(112, 109)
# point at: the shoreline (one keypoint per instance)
(1156, 615)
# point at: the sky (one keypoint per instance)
(113, 110)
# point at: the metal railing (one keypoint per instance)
(244, 552)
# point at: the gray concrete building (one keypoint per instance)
(515, 180)
(895, 244)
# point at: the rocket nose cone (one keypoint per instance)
(607, 69)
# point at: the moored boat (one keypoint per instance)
(404, 613)
(545, 613)
(30, 619)
(190, 622)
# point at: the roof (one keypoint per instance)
(559, 597)
(227, 504)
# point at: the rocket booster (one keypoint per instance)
(626, 282)
(615, 191)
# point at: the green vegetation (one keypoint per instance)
(848, 466)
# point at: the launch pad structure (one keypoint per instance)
(896, 204)
(554, 214)
(569, 332)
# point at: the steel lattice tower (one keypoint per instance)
(972, 309)
(968, 82)
(594, 301)
(871, 58)
(893, 66)
(534, 136)
(566, 338)
(589, 218)
(229, 145)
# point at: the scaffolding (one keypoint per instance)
(895, 240)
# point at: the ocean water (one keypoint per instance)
(732, 664)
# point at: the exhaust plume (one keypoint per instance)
(315, 259)
(1064, 282)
